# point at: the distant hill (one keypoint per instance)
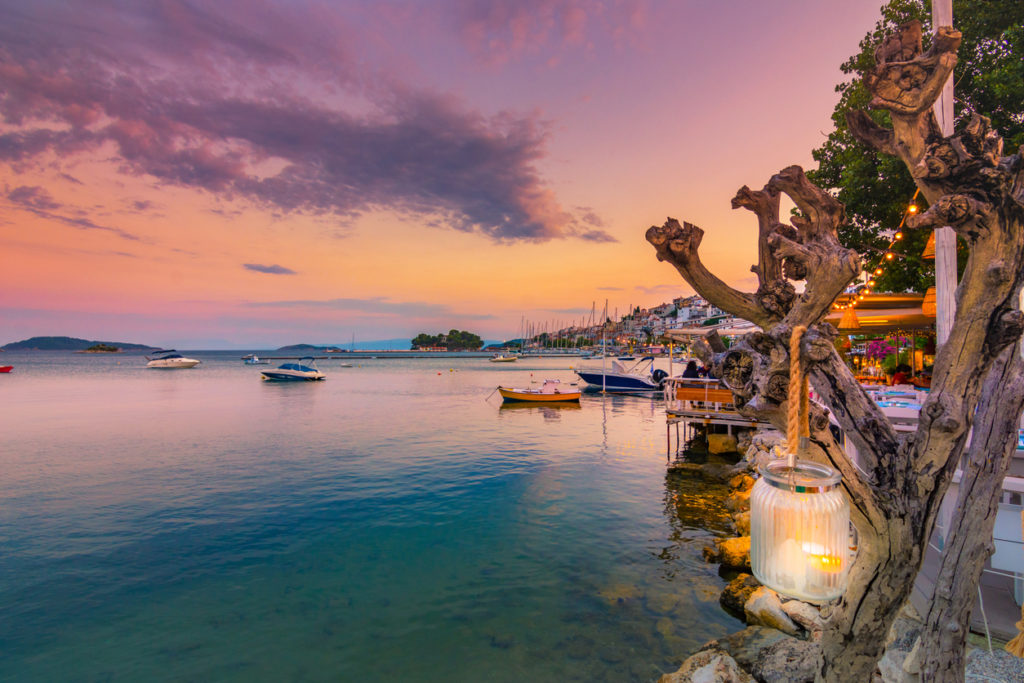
(398, 344)
(303, 347)
(69, 344)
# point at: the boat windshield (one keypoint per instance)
(297, 366)
(641, 366)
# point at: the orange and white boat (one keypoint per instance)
(551, 391)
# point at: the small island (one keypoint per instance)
(100, 348)
(455, 340)
(74, 344)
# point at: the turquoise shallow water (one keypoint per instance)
(391, 523)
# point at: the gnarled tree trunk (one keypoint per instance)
(896, 487)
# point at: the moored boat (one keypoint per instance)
(617, 377)
(169, 359)
(6, 368)
(253, 359)
(303, 371)
(502, 358)
(551, 391)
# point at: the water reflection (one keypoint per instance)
(550, 412)
(693, 509)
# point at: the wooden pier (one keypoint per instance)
(693, 401)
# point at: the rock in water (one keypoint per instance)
(741, 482)
(708, 666)
(745, 646)
(806, 616)
(788, 661)
(717, 472)
(733, 553)
(764, 607)
(739, 501)
(742, 522)
(736, 594)
(721, 443)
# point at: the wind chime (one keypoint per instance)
(799, 518)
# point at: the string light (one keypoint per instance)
(887, 256)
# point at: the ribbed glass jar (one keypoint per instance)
(800, 531)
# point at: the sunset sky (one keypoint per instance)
(250, 174)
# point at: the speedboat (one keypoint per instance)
(6, 368)
(169, 359)
(502, 358)
(303, 371)
(619, 377)
(253, 359)
(551, 391)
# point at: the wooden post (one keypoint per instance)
(945, 238)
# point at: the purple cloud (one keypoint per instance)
(37, 200)
(271, 270)
(499, 31)
(34, 197)
(196, 99)
(659, 289)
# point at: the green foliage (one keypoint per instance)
(890, 362)
(455, 340)
(877, 188)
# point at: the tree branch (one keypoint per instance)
(678, 244)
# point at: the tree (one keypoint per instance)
(877, 188)
(896, 487)
(455, 340)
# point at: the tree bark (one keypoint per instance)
(940, 652)
(896, 490)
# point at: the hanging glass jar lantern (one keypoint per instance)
(800, 530)
(799, 518)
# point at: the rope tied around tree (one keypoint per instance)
(797, 418)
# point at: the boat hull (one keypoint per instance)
(6, 368)
(176, 364)
(617, 382)
(526, 395)
(291, 376)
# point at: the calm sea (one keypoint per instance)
(392, 523)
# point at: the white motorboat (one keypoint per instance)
(502, 358)
(303, 371)
(169, 359)
(253, 359)
(638, 377)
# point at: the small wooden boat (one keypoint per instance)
(6, 368)
(551, 391)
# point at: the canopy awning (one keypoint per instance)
(884, 313)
